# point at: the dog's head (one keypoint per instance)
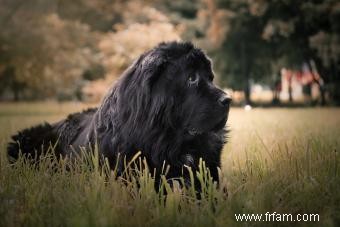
(165, 98)
(167, 93)
(177, 79)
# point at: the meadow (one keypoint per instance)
(277, 160)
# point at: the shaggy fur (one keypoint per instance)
(164, 105)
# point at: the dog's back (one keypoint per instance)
(32, 142)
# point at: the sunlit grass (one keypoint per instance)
(282, 160)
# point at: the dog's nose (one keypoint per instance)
(225, 99)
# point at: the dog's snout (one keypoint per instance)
(225, 100)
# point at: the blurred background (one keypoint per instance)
(267, 52)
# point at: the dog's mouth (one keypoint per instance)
(216, 127)
(220, 125)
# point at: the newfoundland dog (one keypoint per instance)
(165, 105)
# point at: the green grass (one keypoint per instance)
(277, 160)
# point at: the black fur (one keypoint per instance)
(164, 105)
(31, 141)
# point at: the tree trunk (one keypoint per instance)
(16, 94)
(319, 80)
(246, 74)
(247, 92)
(323, 95)
(290, 90)
(276, 88)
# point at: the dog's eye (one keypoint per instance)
(193, 79)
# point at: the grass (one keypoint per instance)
(277, 160)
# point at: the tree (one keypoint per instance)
(55, 48)
(243, 51)
(299, 31)
(47, 54)
(263, 36)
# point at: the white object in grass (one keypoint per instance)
(247, 107)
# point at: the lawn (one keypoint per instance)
(277, 160)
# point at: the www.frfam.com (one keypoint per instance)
(278, 217)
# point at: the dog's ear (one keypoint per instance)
(152, 65)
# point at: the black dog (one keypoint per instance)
(164, 105)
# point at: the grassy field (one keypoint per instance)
(277, 160)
